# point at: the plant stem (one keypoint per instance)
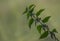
(46, 26)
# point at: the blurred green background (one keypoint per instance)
(14, 25)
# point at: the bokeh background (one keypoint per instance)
(14, 25)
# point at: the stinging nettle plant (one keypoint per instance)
(39, 23)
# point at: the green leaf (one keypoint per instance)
(30, 22)
(25, 10)
(31, 10)
(44, 35)
(54, 30)
(28, 15)
(31, 6)
(39, 12)
(46, 19)
(39, 28)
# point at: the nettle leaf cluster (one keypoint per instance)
(40, 23)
